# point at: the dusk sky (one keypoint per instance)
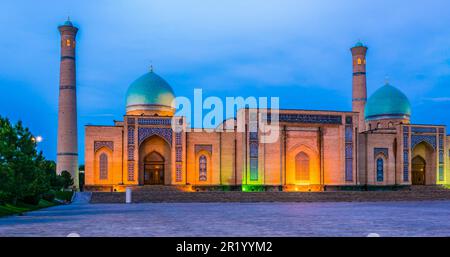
(296, 50)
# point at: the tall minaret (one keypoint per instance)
(359, 83)
(67, 152)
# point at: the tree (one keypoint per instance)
(23, 174)
(66, 179)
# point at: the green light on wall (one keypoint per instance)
(253, 188)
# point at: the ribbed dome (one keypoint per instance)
(387, 103)
(149, 93)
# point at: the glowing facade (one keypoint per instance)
(374, 144)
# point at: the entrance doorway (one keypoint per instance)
(154, 169)
(418, 171)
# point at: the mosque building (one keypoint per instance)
(374, 145)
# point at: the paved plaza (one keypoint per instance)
(235, 219)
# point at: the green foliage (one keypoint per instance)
(64, 195)
(66, 179)
(49, 196)
(25, 175)
(9, 209)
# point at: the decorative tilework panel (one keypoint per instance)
(405, 154)
(179, 154)
(207, 148)
(384, 151)
(380, 170)
(254, 149)
(144, 133)
(131, 152)
(178, 138)
(416, 139)
(405, 165)
(253, 169)
(308, 118)
(150, 121)
(179, 173)
(130, 171)
(349, 169)
(253, 135)
(349, 153)
(131, 121)
(348, 150)
(348, 134)
(130, 135)
(103, 166)
(423, 130)
(202, 168)
(100, 144)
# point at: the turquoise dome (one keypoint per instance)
(148, 92)
(68, 23)
(359, 44)
(387, 103)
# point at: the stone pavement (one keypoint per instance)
(426, 218)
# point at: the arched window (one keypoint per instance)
(302, 166)
(202, 168)
(380, 170)
(359, 61)
(68, 42)
(103, 166)
(378, 125)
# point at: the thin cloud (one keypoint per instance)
(437, 99)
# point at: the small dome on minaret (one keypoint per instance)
(359, 44)
(68, 23)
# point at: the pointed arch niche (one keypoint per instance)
(303, 166)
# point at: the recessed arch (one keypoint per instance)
(418, 170)
(155, 161)
(423, 164)
(303, 165)
(103, 165)
(154, 157)
(203, 167)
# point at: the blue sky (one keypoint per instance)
(296, 50)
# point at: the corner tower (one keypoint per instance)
(67, 149)
(359, 95)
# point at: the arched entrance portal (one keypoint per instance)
(155, 162)
(423, 164)
(418, 171)
(154, 169)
